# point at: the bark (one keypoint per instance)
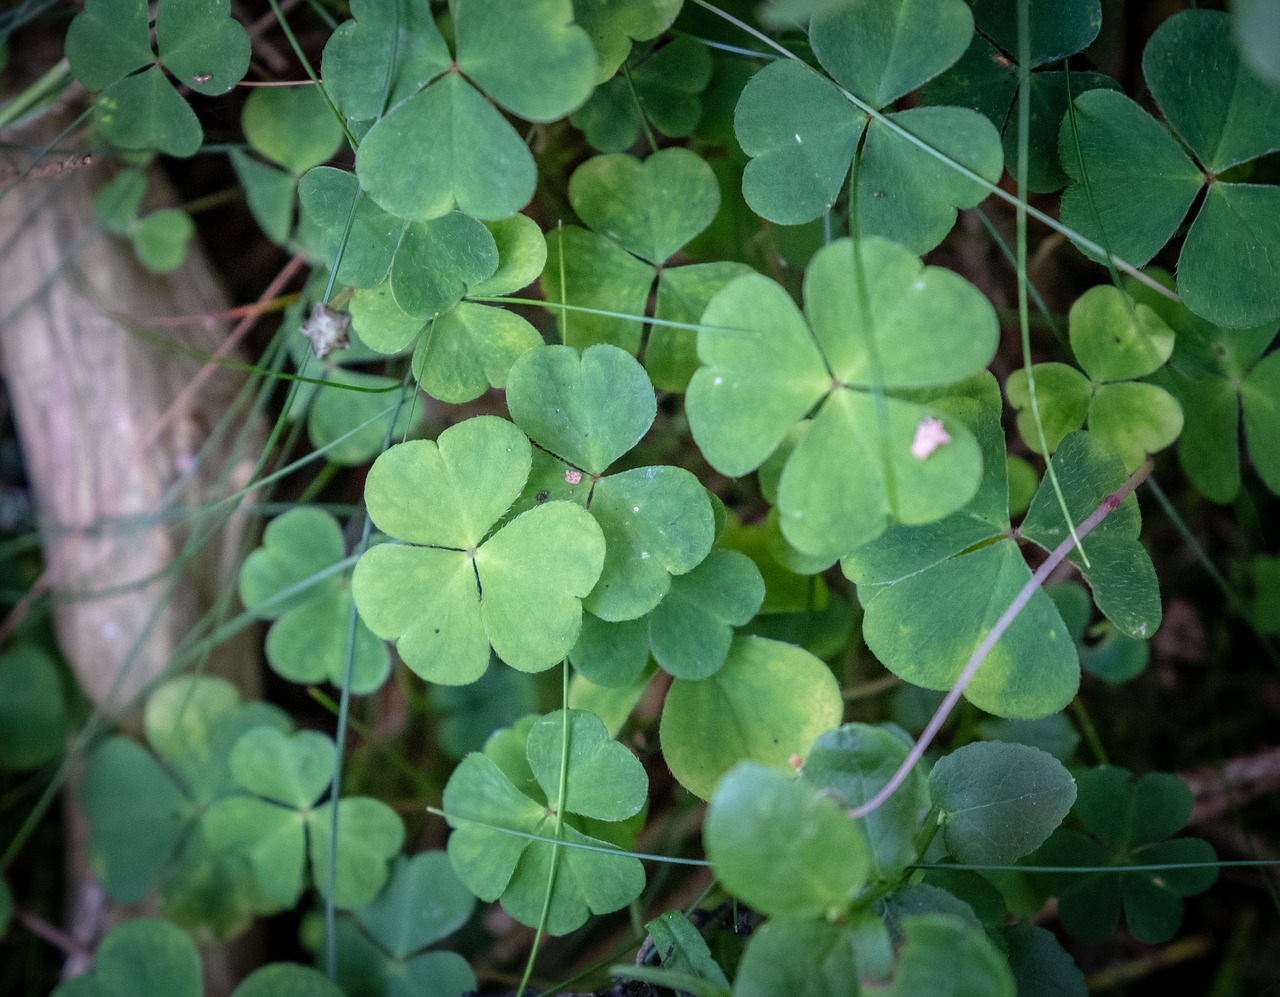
(118, 457)
(105, 456)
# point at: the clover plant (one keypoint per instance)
(656, 356)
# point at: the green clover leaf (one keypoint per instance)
(802, 132)
(413, 178)
(854, 762)
(945, 954)
(1215, 374)
(34, 711)
(912, 579)
(450, 591)
(192, 724)
(640, 215)
(108, 43)
(1120, 573)
(293, 128)
(385, 54)
(435, 150)
(1136, 185)
(1126, 821)
(282, 821)
(985, 78)
(465, 347)
(308, 640)
(587, 411)
(140, 957)
(768, 701)
(668, 82)
(614, 24)
(766, 368)
(160, 239)
(881, 52)
(516, 784)
(382, 947)
(360, 241)
(771, 837)
(998, 802)
(908, 195)
(1114, 339)
(689, 632)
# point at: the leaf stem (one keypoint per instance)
(1108, 505)
(561, 794)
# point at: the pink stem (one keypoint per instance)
(1109, 505)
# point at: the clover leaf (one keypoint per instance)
(640, 213)
(34, 712)
(770, 838)
(985, 78)
(998, 802)
(516, 784)
(160, 238)
(613, 25)
(1126, 821)
(281, 820)
(953, 566)
(859, 466)
(381, 950)
(802, 133)
(1114, 340)
(688, 633)
(453, 589)
(1105, 652)
(1119, 573)
(768, 702)
(293, 129)
(1135, 184)
(308, 640)
(435, 150)
(464, 347)
(587, 410)
(943, 953)
(1216, 374)
(912, 579)
(141, 956)
(157, 832)
(108, 43)
(289, 978)
(400, 39)
(854, 762)
(662, 88)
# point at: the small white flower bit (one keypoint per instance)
(930, 435)
(572, 476)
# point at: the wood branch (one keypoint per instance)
(88, 389)
(1237, 782)
(121, 483)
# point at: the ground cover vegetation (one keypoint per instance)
(755, 498)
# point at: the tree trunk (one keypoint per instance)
(116, 454)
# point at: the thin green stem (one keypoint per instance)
(1024, 321)
(52, 82)
(635, 99)
(556, 847)
(1090, 731)
(306, 65)
(344, 714)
